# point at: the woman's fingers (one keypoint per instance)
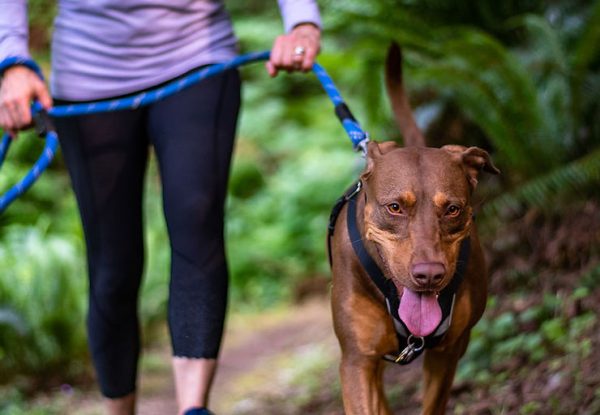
(19, 87)
(296, 50)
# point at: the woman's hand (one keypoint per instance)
(19, 86)
(295, 51)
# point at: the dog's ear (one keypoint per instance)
(374, 151)
(474, 159)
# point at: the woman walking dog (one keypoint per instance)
(103, 50)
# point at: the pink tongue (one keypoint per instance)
(420, 312)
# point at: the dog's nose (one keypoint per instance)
(428, 274)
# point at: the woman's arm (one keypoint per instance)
(295, 12)
(13, 28)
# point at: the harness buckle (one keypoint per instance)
(354, 192)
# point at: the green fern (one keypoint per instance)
(543, 190)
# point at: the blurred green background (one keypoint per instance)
(518, 78)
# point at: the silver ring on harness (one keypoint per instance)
(407, 354)
(412, 340)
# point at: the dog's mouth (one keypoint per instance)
(420, 311)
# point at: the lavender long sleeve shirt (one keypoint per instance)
(105, 48)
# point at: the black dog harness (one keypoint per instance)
(410, 346)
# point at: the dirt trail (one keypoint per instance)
(257, 350)
(254, 351)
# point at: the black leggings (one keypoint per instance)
(192, 134)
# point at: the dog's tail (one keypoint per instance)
(400, 105)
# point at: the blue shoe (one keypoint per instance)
(198, 411)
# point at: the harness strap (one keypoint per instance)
(385, 285)
(335, 212)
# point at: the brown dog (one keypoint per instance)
(413, 221)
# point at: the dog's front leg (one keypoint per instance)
(439, 367)
(362, 386)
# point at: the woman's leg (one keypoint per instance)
(106, 157)
(193, 134)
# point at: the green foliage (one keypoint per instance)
(40, 298)
(12, 402)
(531, 335)
(574, 179)
(41, 16)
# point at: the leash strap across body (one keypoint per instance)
(358, 137)
(410, 347)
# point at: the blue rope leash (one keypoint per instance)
(148, 97)
(358, 137)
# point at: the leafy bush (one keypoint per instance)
(41, 302)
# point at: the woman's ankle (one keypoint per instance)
(121, 406)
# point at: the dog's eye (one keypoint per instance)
(453, 211)
(394, 208)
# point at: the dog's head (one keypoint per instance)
(417, 212)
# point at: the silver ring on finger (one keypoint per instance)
(299, 51)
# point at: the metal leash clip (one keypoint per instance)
(415, 345)
(362, 145)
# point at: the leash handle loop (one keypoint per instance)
(45, 129)
(22, 61)
(40, 165)
(4, 146)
